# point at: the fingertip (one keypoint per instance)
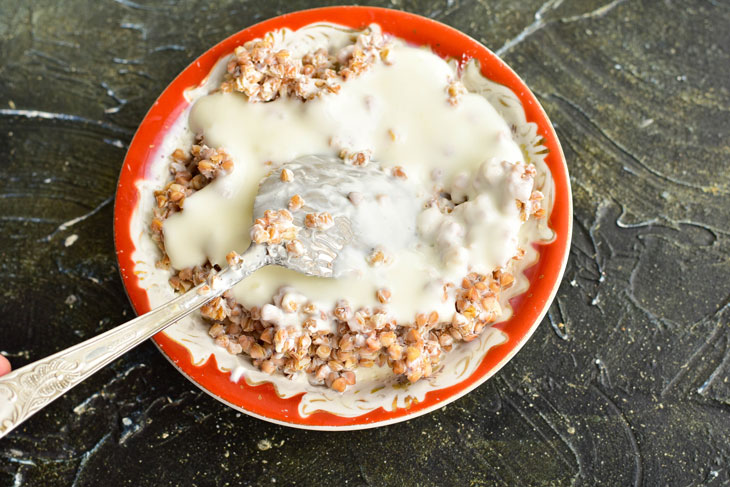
(4, 365)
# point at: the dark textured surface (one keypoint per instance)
(625, 383)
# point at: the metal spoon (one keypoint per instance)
(25, 391)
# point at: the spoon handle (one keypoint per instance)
(24, 391)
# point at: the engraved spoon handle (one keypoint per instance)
(25, 391)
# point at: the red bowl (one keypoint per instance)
(529, 308)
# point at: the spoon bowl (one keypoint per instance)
(353, 196)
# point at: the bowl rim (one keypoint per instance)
(446, 42)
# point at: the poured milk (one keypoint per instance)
(400, 112)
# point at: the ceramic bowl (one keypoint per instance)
(194, 354)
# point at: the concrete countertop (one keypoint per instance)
(626, 381)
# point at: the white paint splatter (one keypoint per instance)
(646, 122)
